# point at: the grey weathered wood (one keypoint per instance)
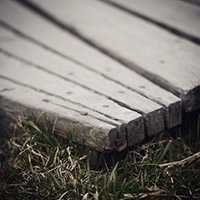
(42, 81)
(152, 111)
(68, 45)
(166, 59)
(175, 15)
(92, 132)
(58, 86)
(78, 74)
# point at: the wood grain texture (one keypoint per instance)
(89, 131)
(160, 56)
(175, 15)
(40, 80)
(68, 45)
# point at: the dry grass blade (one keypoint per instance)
(63, 195)
(181, 162)
(37, 164)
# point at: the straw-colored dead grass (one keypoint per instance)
(37, 164)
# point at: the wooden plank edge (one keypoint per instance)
(173, 114)
(155, 120)
(135, 132)
(84, 133)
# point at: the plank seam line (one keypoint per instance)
(156, 79)
(19, 34)
(59, 76)
(50, 72)
(24, 36)
(47, 93)
(194, 2)
(166, 27)
(111, 123)
(59, 97)
(150, 76)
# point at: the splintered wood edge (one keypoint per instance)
(154, 122)
(99, 139)
(135, 131)
(174, 114)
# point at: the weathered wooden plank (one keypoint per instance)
(40, 80)
(88, 98)
(178, 16)
(162, 57)
(92, 132)
(68, 45)
(99, 84)
(78, 74)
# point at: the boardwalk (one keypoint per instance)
(116, 71)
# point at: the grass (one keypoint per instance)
(37, 164)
